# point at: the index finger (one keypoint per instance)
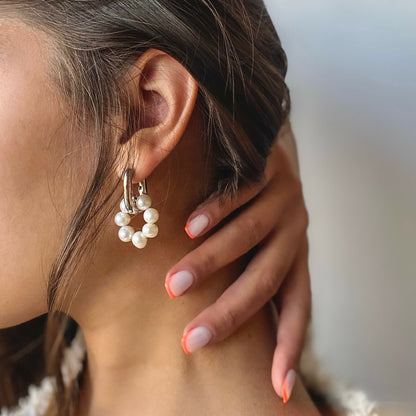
(210, 212)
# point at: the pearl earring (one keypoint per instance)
(132, 204)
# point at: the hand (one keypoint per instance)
(277, 222)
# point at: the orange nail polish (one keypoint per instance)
(183, 342)
(195, 339)
(197, 225)
(285, 398)
(288, 385)
(179, 282)
(188, 232)
(167, 287)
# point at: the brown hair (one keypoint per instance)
(229, 46)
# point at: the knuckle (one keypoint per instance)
(216, 210)
(228, 318)
(270, 282)
(252, 227)
(201, 260)
(206, 262)
(223, 206)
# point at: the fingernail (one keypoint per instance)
(197, 225)
(177, 283)
(288, 384)
(196, 338)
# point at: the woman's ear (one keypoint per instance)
(164, 93)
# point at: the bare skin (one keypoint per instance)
(132, 328)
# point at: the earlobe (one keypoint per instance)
(165, 93)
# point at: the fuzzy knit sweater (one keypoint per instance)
(342, 398)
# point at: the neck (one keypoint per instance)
(136, 365)
(132, 328)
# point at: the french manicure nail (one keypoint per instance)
(197, 225)
(288, 384)
(196, 338)
(177, 283)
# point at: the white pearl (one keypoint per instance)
(139, 240)
(122, 219)
(151, 215)
(123, 206)
(125, 233)
(143, 202)
(150, 230)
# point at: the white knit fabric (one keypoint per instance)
(343, 398)
(37, 401)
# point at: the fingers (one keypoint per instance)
(255, 286)
(294, 307)
(234, 239)
(211, 212)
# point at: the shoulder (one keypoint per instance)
(331, 396)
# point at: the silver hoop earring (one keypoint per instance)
(132, 205)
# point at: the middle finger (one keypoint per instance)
(234, 239)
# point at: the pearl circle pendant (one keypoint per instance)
(151, 215)
(127, 233)
(139, 239)
(122, 219)
(150, 230)
(143, 202)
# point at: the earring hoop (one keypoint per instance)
(131, 205)
(130, 200)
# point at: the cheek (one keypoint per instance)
(31, 182)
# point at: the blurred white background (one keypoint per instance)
(352, 74)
